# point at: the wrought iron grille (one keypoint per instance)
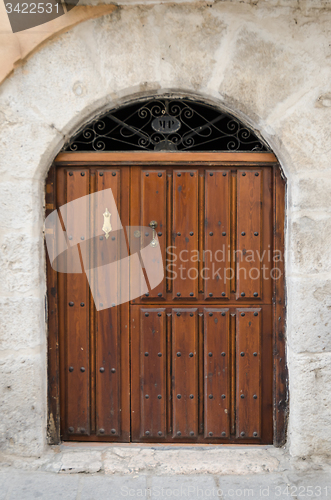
(166, 125)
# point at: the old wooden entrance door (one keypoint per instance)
(191, 360)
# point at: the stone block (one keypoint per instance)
(22, 323)
(309, 315)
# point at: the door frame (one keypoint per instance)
(249, 159)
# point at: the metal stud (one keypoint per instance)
(101, 174)
(255, 294)
(179, 433)
(113, 370)
(146, 396)
(210, 314)
(243, 174)
(223, 396)
(113, 431)
(256, 234)
(224, 233)
(82, 304)
(82, 238)
(82, 369)
(147, 294)
(243, 233)
(71, 368)
(102, 431)
(191, 314)
(242, 396)
(223, 354)
(210, 434)
(159, 354)
(178, 314)
(210, 396)
(179, 396)
(159, 314)
(159, 396)
(223, 313)
(159, 234)
(243, 294)
(102, 369)
(160, 433)
(210, 354)
(256, 314)
(178, 294)
(70, 237)
(191, 174)
(146, 314)
(71, 429)
(101, 238)
(223, 294)
(82, 174)
(191, 233)
(242, 434)
(71, 173)
(147, 175)
(179, 175)
(179, 354)
(191, 396)
(146, 234)
(71, 304)
(242, 314)
(191, 355)
(211, 233)
(146, 353)
(255, 354)
(255, 434)
(256, 174)
(191, 433)
(113, 174)
(159, 174)
(179, 234)
(113, 238)
(224, 174)
(82, 430)
(211, 174)
(191, 294)
(223, 434)
(254, 396)
(101, 304)
(147, 433)
(210, 295)
(242, 354)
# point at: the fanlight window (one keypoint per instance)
(166, 125)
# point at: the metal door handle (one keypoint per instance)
(153, 225)
(106, 228)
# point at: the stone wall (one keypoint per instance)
(267, 62)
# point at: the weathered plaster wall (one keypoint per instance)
(270, 64)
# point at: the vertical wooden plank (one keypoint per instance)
(280, 375)
(153, 362)
(53, 396)
(185, 372)
(249, 228)
(233, 371)
(77, 310)
(169, 373)
(201, 374)
(217, 270)
(169, 275)
(185, 233)
(154, 208)
(217, 398)
(233, 240)
(248, 354)
(201, 280)
(107, 321)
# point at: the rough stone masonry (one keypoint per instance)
(269, 63)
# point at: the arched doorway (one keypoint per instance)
(199, 355)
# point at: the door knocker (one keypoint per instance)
(106, 228)
(153, 225)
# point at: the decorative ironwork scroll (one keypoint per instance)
(166, 124)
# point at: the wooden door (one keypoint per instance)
(201, 356)
(190, 360)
